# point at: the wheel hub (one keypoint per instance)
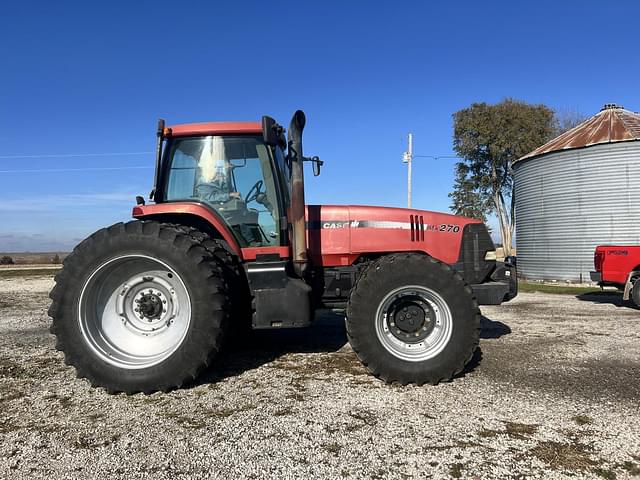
(410, 319)
(413, 323)
(150, 306)
(147, 304)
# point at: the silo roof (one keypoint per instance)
(612, 124)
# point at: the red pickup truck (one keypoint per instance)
(618, 266)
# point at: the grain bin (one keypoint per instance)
(577, 191)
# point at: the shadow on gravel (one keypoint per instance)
(259, 347)
(326, 335)
(612, 298)
(492, 328)
(475, 361)
(489, 329)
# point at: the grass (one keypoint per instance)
(339, 363)
(332, 448)
(29, 272)
(512, 429)
(632, 468)
(573, 456)
(456, 470)
(520, 429)
(605, 473)
(582, 419)
(561, 289)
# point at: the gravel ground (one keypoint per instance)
(553, 393)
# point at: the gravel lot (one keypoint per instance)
(554, 393)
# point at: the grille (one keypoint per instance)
(417, 228)
(476, 242)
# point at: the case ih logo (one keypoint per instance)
(618, 252)
(381, 224)
(338, 224)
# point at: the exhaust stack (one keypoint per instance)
(295, 157)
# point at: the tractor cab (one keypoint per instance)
(245, 173)
(242, 182)
(237, 176)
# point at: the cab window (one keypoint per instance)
(233, 175)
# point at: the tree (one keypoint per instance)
(489, 138)
(6, 260)
(565, 119)
(56, 259)
(465, 199)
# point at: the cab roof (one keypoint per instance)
(213, 128)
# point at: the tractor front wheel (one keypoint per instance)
(412, 319)
(139, 307)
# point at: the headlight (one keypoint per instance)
(490, 255)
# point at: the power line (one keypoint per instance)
(72, 155)
(437, 157)
(84, 169)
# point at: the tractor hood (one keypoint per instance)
(353, 230)
(358, 216)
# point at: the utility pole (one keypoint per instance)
(407, 158)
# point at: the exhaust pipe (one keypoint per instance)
(297, 209)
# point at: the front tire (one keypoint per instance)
(412, 319)
(139, 307)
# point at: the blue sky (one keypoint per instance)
(88, 78)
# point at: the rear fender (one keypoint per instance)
(189, 213)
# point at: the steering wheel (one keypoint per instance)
(253, 193)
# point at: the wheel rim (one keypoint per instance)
(134, 311)
(414, 323)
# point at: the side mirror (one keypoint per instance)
(272, 133)
(317, 163)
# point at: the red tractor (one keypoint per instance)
(144, 306)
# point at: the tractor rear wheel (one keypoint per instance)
(412, 319)
(139, 307)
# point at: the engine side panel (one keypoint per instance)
(338, 235)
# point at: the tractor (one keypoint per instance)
(227, 240)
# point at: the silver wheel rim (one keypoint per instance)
(134, 311)
(429, 338)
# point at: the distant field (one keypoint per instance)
(13, 271)
(35, 258)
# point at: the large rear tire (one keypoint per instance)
(139, 307)
(412, 319)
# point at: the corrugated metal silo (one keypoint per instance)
(579, 190)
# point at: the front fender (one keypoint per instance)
(189, 209)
